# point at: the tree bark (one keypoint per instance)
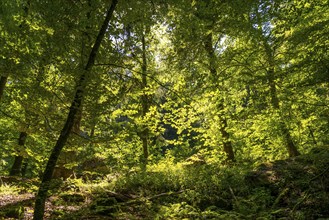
(75, 106)
(145, 105)
(312, 135)
(3, 81)
(16, 169)
(24, 167)
(86, 44)
(227, 144)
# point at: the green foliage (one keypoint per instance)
(178, 211)
(256, 204)
(105, 206)
(200, 187)
(183, 95)
(16, 212)
(150, 182)
(197, 191)
(72, 198)
(9, 189)
(171, 77)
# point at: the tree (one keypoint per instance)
(269, 42)
(16, 59)
(306, 61)
(198, 43)
(17, 166)
(75, 106)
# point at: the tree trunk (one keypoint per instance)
(86, 44)
(24, 167)
(228, 149)
(16, 169)
(3, 81)
(291, 147)
(227, 144)
(312, 135)
(17, 166)
(145, 105)
(75, 106)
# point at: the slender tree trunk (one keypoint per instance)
(16, 169)
(85, 45)
(75, 106)
(227, 144)
(145, 105)
(24, 167)
(291, 147)
(3, 81)
(228, 148)
(312, 135)
(17, 166)
(77, 121)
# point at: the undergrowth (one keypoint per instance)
(296, 188)
(286, 189)
(9, 189)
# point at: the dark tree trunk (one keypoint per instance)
(228, 148)
(86, 44)
(16, 169)
(75, 106)
(145, 104)
(77, 121)
(3, 81)
(24, 167)
(17, 166)
(312, 135)
(227, 144)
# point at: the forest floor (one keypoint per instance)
(295, 188)
(21, 206)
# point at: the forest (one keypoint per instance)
(164, 109)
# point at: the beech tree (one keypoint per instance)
(262, 23)
(75, 106)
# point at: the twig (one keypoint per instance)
(165, 194)
(320, 174)
(139, 199)
(147, 75)
(234, 197)
(277, 200)
(300, 202)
